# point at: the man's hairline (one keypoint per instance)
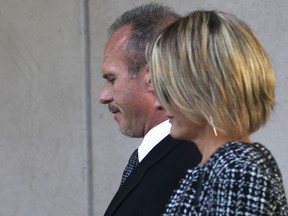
(128, 34)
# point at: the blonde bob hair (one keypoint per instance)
(211, 66)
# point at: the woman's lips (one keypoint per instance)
(170, 118)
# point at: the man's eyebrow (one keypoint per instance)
(108, 75)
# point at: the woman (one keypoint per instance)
(215, 81)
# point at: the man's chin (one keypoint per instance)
(126, 131)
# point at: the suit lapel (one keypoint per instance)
(156, 154)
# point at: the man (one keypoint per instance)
(129, 95)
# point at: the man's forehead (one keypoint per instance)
(120, 36)
(114, 53)
(116, 43)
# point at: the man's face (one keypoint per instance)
(127, 97)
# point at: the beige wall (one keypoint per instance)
(42, 137)
(60, 150)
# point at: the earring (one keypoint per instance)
(213, 126)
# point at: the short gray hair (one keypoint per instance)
(146, 21)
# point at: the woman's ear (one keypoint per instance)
(148, 78)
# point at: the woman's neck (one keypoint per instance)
(208, 143)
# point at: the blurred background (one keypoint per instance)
(60, 150)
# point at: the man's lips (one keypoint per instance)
(113, 109)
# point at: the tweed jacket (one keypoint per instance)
(238, 179)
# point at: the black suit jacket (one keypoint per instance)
(147, 190)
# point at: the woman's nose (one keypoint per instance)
(157, 105)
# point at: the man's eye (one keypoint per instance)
(111, 80)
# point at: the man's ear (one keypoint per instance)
(148, 78)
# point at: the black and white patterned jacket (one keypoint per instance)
(238, 179)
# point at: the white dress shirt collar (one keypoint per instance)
(152, 138)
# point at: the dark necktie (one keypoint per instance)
(132, 164)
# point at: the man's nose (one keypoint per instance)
(105, 96)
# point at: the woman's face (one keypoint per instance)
(182, 128)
